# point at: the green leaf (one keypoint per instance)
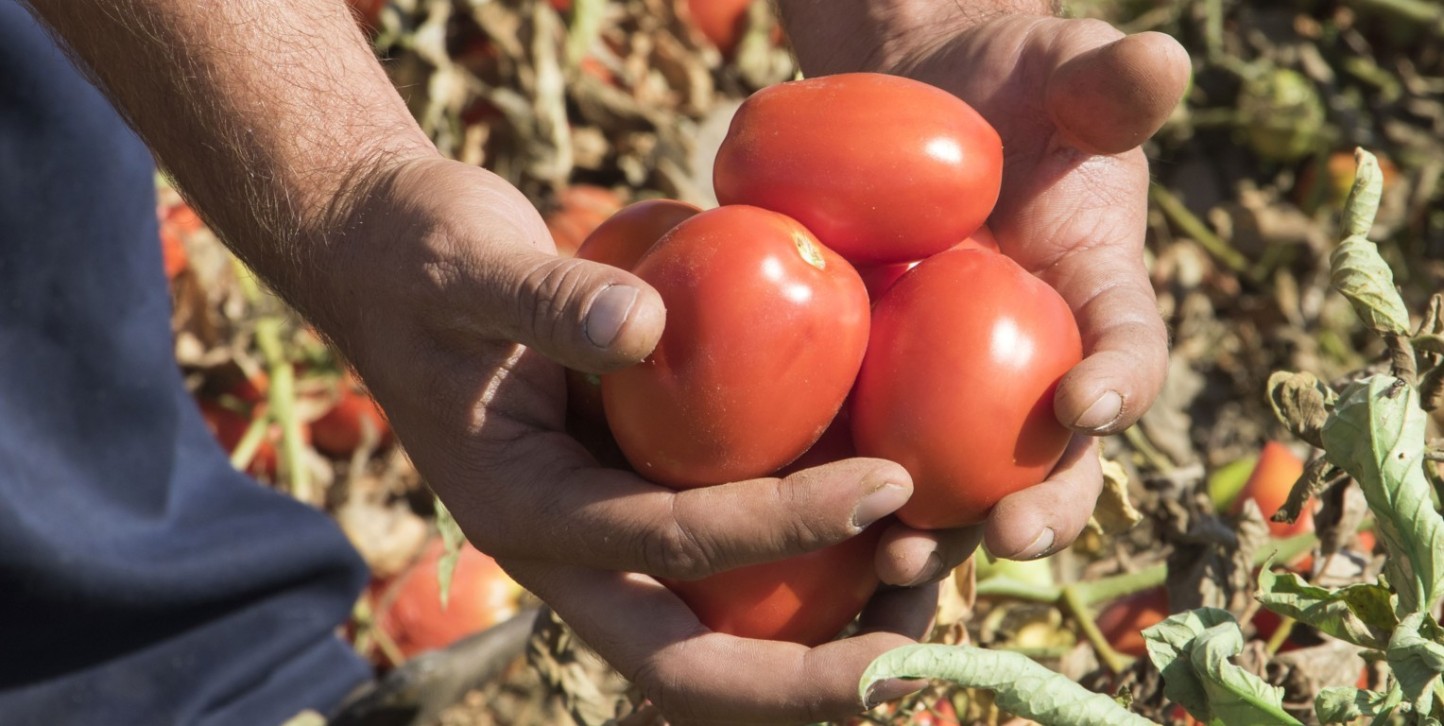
(1359, 614)
(584, 28)
(1417, 659)
(1358, 272)
(1021, 686)
(1345, 705)
(1192, 651)
(1376, 433)
(452, 539)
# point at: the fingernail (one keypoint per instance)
(931, 570)
(881, 502)
(1040, 546)
(608, 313)
(890, 689)
(1103, 412)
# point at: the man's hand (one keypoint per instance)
(440, 283)
(1072, 100)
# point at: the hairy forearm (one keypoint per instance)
(835, 36)
(264, 112)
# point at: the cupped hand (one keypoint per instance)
(1073, 100)
(448, 298)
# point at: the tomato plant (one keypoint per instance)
(765, 331)
(231, 414)
(408, 609)
(957, 386)
(342, 429)
(1269, 485)
(805, 599)
(881, 168)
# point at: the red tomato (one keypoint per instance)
(1269, 485)
(620, 242)
(966, 352)
(879, 278)
(340, 431)
(806, 599)
(722, 21)
(1124, 619)
(881, 168)
(765, 331)
(409, 611)
(580, 209)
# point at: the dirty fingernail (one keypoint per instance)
(608, 314)
(931, 571)
(1103, 412)
(881, 502)
(1040, 546)
(890, 689)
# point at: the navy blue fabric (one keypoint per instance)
(142, 581)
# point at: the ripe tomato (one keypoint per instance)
(958, 384)
(882, 169)
(580, 209)
(765, 331)
(410, 612)
(806, 599)
(1269, 485)
(340, 431)
(620, 242)
(230, 416)
(879, 278)
(1124, 619)
(721, 21)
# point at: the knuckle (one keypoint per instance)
(550, 298)
(673, 549)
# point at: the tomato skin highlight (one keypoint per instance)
(765, 332)
(882, 169)
(957, 386)
(806, 599)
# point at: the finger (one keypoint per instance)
(651, 529)
(1124, 338)
(493, 274)
(1110, 98)
(696, 676)
(584, 315)
(906, 611)
(1043, 519)
(912, 557)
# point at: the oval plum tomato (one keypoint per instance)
(765, 331)
(966, 352)
(879, 278)
(721, 21)
(580, 209)
(1122, 622)
(410, 612)
(1269, 485)
(806, 599)
(882, 169)
(620, 242)
(341, 430)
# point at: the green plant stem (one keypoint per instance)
(1179, 215)
(1280, 636)
(282, 398)
(1150, 453)
(1074, 605)
(1415, 12)
(250, 442)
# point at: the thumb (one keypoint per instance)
(584, 315)
(1109, 98)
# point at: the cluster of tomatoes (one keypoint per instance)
(845, 299)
